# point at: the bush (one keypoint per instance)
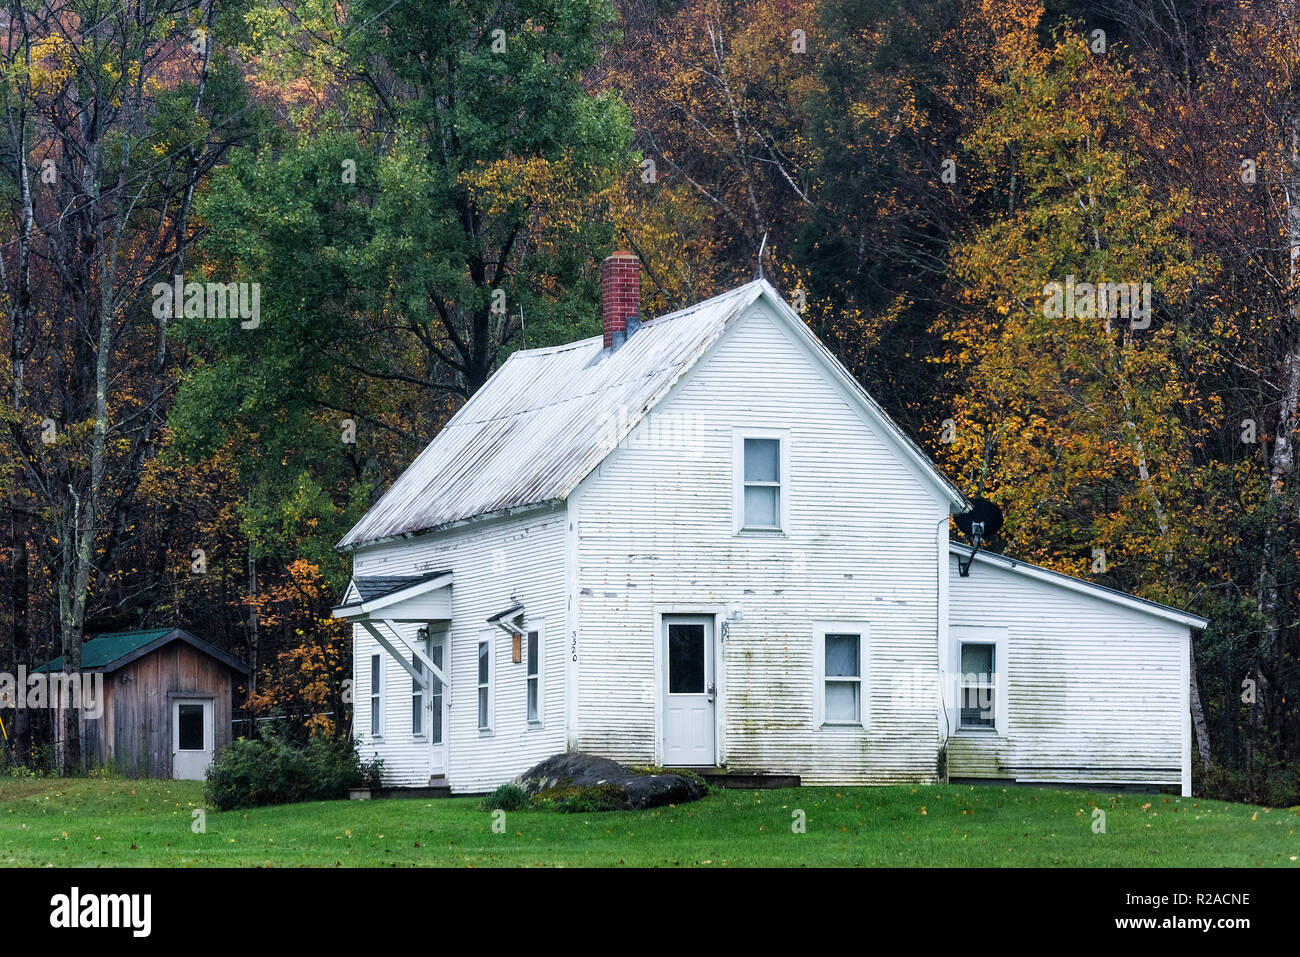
(1271, 785)
(508, 797)
(271, 770)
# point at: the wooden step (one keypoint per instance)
(749, 780)
(432, 791)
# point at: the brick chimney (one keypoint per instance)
(620, 296)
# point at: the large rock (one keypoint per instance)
(595, 783)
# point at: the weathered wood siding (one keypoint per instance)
(138, 711)
(654, 527)
(495, 562)
(1097, 692)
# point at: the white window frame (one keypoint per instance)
(540, 676)
(820, 630)
(738, 481)
(417, 693)
(979, 635)
(376, 696)
(489, 639)
(438, 712)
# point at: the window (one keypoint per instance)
(417, 694)
(977, 706)
(976, 686)
(190, 719)
(533, 681)
(760, 466)
(435, 695)
(840, 668)
(485, 684)
(376, 697)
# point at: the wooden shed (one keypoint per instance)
(167, 705)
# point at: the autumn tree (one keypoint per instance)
(114, 113)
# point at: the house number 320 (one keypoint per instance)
(573, 648)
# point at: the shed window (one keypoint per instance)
(485, 685)
(534, 676)
(762, 483)
(190, 717)
(978, 706)
(376, 697)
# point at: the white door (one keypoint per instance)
(192, 734)
(437, 713)
(690, 694)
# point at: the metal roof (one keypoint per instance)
(1103, 592)
(372, 587)
(112, 650)
(549, 416)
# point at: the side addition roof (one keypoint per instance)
(550, 416)
(1113, 595)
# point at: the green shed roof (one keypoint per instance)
(112, 649)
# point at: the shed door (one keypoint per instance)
(689, 697)
(192, 734)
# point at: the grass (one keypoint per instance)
(108, 822)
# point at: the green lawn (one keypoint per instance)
(149, 823)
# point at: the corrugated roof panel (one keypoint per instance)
(100, 650)
(544, 420)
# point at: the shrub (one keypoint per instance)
(272, 770)
(1272, 785)
(508, 797)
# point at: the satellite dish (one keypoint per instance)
(980, 522)
(982, 513)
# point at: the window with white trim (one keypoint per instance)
(435, 693)
(978, 703)
(485, 675)
(417, 694)
(841, 674)
(760, 465)
(376, 696)
(533, 676)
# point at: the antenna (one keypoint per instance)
(761, 246)
(522, 331)
(981, 521)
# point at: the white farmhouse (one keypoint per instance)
(696, 541)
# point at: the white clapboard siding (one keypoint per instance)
(1096, 691)
(495, 563)
(654, 528)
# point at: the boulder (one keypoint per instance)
(598, 783)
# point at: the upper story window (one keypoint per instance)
(761, 487)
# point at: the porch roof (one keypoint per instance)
(397, 597)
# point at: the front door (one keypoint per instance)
(192, 734)
(690, 693)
